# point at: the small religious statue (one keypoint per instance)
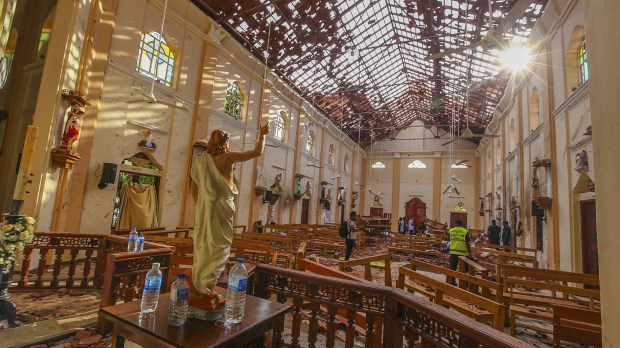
(147, 141)
(298, 185)
(327, 206)
(354, 197)
(307, 192)
(71, 131)
(342, 193)
(581, 162)
(377, 199)
(276, 187)
(535, 181)
(323, 191)
(211, 172)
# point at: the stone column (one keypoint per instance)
(603, 47)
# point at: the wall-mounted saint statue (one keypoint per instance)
(71, 132)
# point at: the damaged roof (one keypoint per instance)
(375, 66)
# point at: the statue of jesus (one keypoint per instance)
(212, 175)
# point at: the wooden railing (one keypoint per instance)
(407, 318)
(88, 261)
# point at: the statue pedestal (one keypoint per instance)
(208, 307)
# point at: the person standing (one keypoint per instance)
(506, 234)
(351, 237)
(401, 226)
(459, 243)
(494, 232)
(411, 227)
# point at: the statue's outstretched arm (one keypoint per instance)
(259, 148)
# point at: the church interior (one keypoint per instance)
(418, 115)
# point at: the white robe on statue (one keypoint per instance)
(213, 225)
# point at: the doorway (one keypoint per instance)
(305, 207)
(589, 241)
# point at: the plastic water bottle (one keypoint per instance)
(179, 293)
(235, 296)
(150, 295)
(133, 241)
(140, 245)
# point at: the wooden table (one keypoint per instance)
(154, 331)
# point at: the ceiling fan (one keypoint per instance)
(468, 134)
(494, 35)
(460, 163)
(150, 99)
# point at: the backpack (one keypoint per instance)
(343, 231)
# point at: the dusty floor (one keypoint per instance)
(37, 306)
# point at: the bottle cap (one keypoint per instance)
(155, 264)
(239, 260)
(181, 276)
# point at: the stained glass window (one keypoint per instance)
(156, 63)
(234, 100)
(279, 124)
(583, 62)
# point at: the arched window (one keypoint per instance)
(155, 58)
(582, 62)
(534, 110)
(347, 160)
(331, 155)
(310, 143)
(280, 122)
(234, 100)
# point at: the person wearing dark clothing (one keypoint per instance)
(494, 232)
(506, 234)
(422, 229)
(351, 238)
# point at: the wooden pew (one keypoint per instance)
(526, 251)
(125, 231)
(497, 257)
(365, 261)
(578, 325)
(183, 233)
(547, 288)
(415, 245)
(341, 317)
(485, 307)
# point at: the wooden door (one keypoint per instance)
(415, 209)
(458, 216)
(589, 242)
(305, 206)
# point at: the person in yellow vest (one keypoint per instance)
(459, 243)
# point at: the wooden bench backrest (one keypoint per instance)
(527, 251)
(576, 325)
(569, 284)
(365, 261)
(125, 231)
(503, 257)
(484, 287)
(439, 289)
